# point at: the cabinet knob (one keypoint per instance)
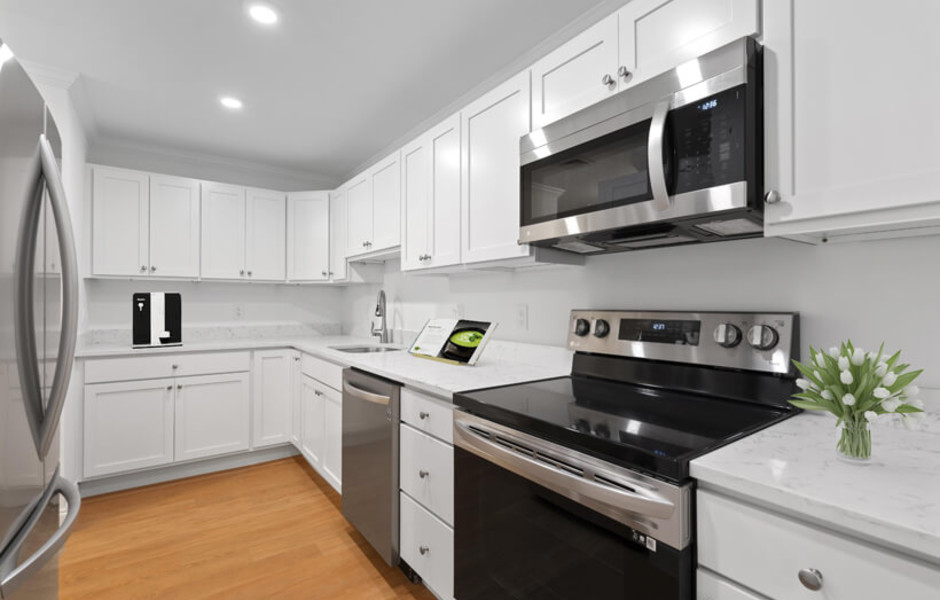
(176, 367)
(423, 415)
(143, 268)
(772, 197)
(317, 392)
(364, 244)
(424, 550)
(169, 387)
(179, 386)
(811, 579)
(324, 273)
(624, 72)
(297, 359)
(423, 474)
(152, 269)
(608, 81)
(249, 273)
(242, 272)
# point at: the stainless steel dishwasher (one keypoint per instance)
(370, 459)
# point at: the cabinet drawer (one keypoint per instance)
(426, 472)
(765, 552)
(712, 587)
(323, 371)
(427, 414)
(156, 366)
(420, 530)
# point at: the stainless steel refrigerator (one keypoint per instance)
(38, 326)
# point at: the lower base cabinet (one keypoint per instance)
(321, 431)
(427, 544)
(213, 413)
(312, 429)
(333, 436)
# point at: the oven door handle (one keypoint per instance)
(641, 502)
(657, 165)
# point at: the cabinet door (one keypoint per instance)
(296, 379)
(658, 35)
(427, 545)
(271, 423)
(333, 437)
(266, 236)
(174, 226)
(212, 415)
(121, 222)
(338, 235)
(416, 200)
(128, 426)
(444, 219)
(492, 126)
(313, 430)
(308, 239)
(359, 216)
(573, 76)
(386, 204)
(223, 231)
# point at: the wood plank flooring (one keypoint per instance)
(267, 531)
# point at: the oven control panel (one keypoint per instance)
(765, 342)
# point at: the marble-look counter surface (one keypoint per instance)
(894, 501)
(502, 363)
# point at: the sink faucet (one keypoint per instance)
(380, 311)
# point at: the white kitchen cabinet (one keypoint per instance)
(296, 379)
(174, 227)
(265, 235)
(212, 415)
(431, 198)
(338, 267)
(712, 587)
(272, 398)
(644, 39)
(223, 231)
(358, 215)
(373, 215)
(576, 75)
(308, 236)
(849, 149)
(426, 472)
(333, 437)
(765, 552)
(128, 426)
(313, 432)
(120, 222)
(492, 126)
(427, 545)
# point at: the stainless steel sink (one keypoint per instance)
(364, 349)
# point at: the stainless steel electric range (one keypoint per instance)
(578, 487)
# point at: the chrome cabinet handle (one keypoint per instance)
(143, 268)
(179, 386)
(324, 273)
(330, 273)
(175, 367)
(296, 358)
(44, 420)
(657, 166)
(811, 579)
(249, 273)
(608, 81)
(423, 550)
(423, 474)
(423, 415)
(152, 268)
(623, 72)
(242, 272)
(169, 387)
(317, 393)
(772, 197)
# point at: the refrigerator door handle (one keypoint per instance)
(11, 575)
(44, 422)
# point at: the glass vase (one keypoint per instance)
(855, 442)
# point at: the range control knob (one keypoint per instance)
(601, 328)
(762, 337)
(582, 327)
(727, 335)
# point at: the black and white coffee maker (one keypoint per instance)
(157, 319)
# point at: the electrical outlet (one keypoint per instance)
(458, 311)
(522, 316)
(238, 311)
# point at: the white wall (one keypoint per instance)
(873, 291)
(212, 303)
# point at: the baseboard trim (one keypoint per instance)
(136, 479)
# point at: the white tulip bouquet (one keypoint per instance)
(857, 387)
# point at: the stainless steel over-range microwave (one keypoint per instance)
(676, 159)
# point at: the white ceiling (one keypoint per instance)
(333, 84)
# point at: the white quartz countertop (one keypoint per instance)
(893, 501)
(502, 363)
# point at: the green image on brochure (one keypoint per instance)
(457, 341)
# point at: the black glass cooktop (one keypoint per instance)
(653, 430)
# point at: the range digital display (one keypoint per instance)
(660, 331)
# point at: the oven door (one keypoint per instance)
(516, 538)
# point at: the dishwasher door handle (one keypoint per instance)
(361, 394)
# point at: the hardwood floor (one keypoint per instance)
(267, 531)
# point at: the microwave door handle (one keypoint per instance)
(657, 166)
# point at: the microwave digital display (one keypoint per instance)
(660, 331)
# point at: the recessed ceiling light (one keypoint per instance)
(230, 102)
(263, 13)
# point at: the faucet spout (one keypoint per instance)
(380, 311)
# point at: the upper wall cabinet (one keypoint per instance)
(338, 268)
(431, 198)
(265, 235)
(642, 40)
(308, 236)
(374, 209)
(144, 225)
(851, 158)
